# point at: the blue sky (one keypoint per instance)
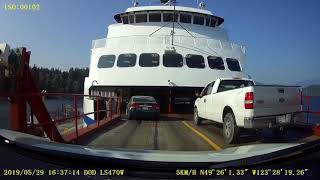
(282, 36)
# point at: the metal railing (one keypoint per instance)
(109, 113)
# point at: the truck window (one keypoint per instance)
(207, 90)
(226, 85)
(210, 88)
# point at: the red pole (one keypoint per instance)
(76, 116)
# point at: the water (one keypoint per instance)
(54, 106)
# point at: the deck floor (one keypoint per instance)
(180, 134)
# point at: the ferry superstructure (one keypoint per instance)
(166, 51)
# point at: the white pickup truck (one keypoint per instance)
(239, 103)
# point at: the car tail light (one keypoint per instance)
(155, 106)
(134, 105)
(248, 100)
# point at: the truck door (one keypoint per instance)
(210, 107)
(202, 102)
(205, 96)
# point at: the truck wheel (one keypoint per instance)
(196, 119)
(230, 129)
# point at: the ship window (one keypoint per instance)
(198, 20)
(131, 18)
(216, 63)
(233, 64)
(154, 17)
(185, 18)
(141, 18)
(106, 61)
(149, 60)
(207, 21)
(125, 19)
(172, 60)
(126, 60)
(213, 22)
(195, 61)
(168, 17)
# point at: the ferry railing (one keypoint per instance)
(306, 102)
(112, 112)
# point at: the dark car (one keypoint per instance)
(143, 107)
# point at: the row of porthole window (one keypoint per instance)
(169, 60)
(181, 17)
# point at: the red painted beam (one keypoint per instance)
(26, 85)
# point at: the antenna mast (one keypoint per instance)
(173, 19)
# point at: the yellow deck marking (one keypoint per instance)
(204, 137)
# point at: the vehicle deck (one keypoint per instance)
(178, 133)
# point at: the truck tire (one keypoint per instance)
(230, 129)
(196, 119)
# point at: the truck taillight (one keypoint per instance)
(248, 100)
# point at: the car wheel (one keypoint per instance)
(196, 119)
(230, 129)
(129, 116)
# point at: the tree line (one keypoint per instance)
(57, 81)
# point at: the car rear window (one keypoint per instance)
(144, 100)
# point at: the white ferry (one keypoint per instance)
(169, 52)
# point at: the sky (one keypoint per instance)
(281, 36)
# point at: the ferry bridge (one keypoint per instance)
(112, 130)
